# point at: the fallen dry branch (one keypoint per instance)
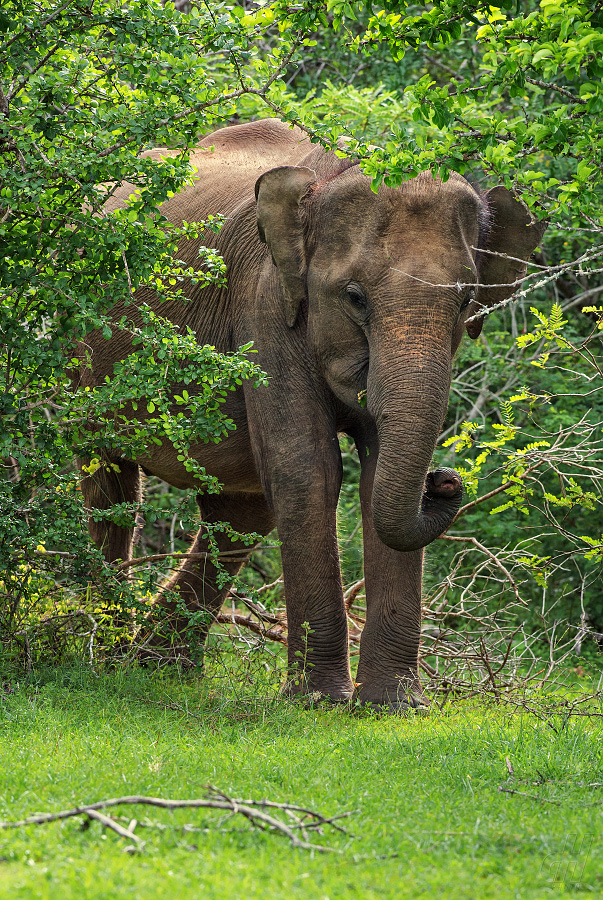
(554, 800)
(302, 819)
(504, 790)
(108, 822)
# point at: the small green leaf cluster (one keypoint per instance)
(548, 330)
(503, 445)
(552, 478)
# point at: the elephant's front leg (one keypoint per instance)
(303, 482)
(389, 646)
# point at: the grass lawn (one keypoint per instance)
(430, 821)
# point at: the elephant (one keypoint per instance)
(346, 293)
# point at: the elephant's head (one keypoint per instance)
(388, 280)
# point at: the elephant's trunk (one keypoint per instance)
(408, 398)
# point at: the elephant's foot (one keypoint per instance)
(316, 689)
(402, 696)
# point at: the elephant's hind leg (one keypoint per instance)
(196, 581)
(111, 483)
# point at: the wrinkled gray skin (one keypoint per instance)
(341, 290)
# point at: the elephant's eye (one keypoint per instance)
(355, 294)
(469, 296)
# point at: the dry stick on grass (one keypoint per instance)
(115, 826)
(316, 820)
(174, 706)
(504, 790)
(214, 799)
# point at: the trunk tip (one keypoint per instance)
(444, 483)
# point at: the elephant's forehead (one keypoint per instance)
(422, 217)
(347, 204)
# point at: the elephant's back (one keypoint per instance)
(228, 162)
(227, 165)
(241, 153)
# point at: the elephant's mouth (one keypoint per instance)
(348, 380)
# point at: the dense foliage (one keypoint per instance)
(510, 93)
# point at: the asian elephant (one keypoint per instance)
(343, 291)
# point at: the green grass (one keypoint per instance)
(430, 821)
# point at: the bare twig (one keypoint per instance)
(232, 555)
(248, 622)
(492, 556)
(115, 826)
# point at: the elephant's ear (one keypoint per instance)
(512, 233)
(278, 193)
